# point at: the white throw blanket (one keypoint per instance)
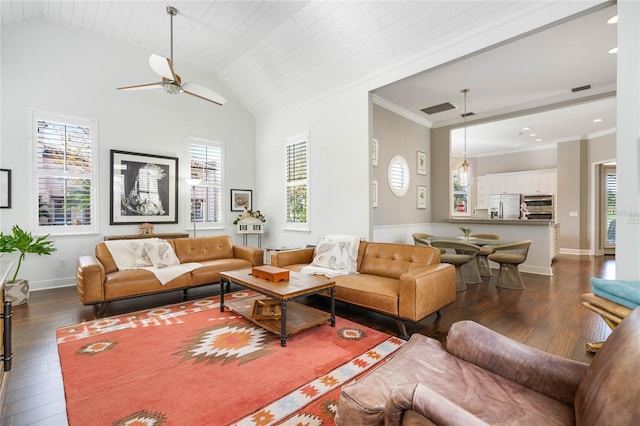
(124, 255)
(335, 255)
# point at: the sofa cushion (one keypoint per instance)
(392, 260)
(424, 360)
(370, 291)
(607, 393)
(204, 248)
(210, 270)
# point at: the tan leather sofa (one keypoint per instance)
(99, 281)
(484, 378)
(406, 282)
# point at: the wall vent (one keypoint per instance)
(438, 108)
(581, 88)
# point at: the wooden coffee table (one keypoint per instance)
(295, 317)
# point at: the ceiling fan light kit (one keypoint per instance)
(171, 82)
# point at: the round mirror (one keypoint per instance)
(398, 175)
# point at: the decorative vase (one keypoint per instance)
(17, 292)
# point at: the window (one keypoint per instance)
(206, 165)
(66, 173)
(297, 182)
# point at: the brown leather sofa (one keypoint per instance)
(485, 378)
(99, 281)
(406, 282)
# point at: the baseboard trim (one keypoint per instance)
(576, 252)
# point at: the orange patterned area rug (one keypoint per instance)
(190, 364)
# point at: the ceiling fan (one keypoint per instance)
(171, 82)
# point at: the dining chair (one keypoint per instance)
(509, 256)
(462, 256)
(485, 250)
(421, 239)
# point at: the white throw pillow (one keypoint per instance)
(140, 254)
(161, 253)
(338, 252)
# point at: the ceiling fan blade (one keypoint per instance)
(203, 93)
(142, 86)
(163, 67)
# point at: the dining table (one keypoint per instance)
(472, 269)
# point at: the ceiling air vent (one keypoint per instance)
(581, 88)
(469, 114)
(438, 108)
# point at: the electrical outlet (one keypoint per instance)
(63, 263)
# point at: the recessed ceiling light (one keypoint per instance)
(613, 20)
(598, 120)
(614, 50)
(539, 140)
(526, 128)
(532, 134)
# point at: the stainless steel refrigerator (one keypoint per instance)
(504, 206)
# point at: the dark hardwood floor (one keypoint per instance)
(547, 314)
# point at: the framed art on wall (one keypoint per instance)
(241, 199)
(144, 188)
(422, 163)
(5, 189)
(422, 197)
(374, 193)
(375, 149)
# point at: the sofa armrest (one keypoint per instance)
(90, 278)
(424, 291)
(282, 259)
(252, 254)
(545, 373)
(427, 403)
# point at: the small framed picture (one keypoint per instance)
(5, 189)
(422, 197)
(241, 199)
(374, 151)
(374, 193)
(422, 163)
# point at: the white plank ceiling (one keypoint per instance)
(277, 54)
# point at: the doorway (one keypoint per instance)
(609, 187)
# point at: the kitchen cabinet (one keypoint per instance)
(525, 182)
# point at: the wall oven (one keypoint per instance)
(540, 206)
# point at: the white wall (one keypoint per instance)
(628, 151)
(339, 169)
(52, 67)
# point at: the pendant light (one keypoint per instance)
(465, 172)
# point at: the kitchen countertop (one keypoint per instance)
(487, 221)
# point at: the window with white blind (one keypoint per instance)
(297, 182)
(65, 173)
(206, 162)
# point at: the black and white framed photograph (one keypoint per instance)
(422, 197)
(241, 199)
(5, 189)
(422, 163)
(144, 188)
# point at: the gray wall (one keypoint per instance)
(398, 135)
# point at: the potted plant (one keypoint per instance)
(18, 290)
(466, 232)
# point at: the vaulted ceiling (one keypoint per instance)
(278, 54)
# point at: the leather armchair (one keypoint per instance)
(485, 378)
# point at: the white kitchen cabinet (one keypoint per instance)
(526, 182)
